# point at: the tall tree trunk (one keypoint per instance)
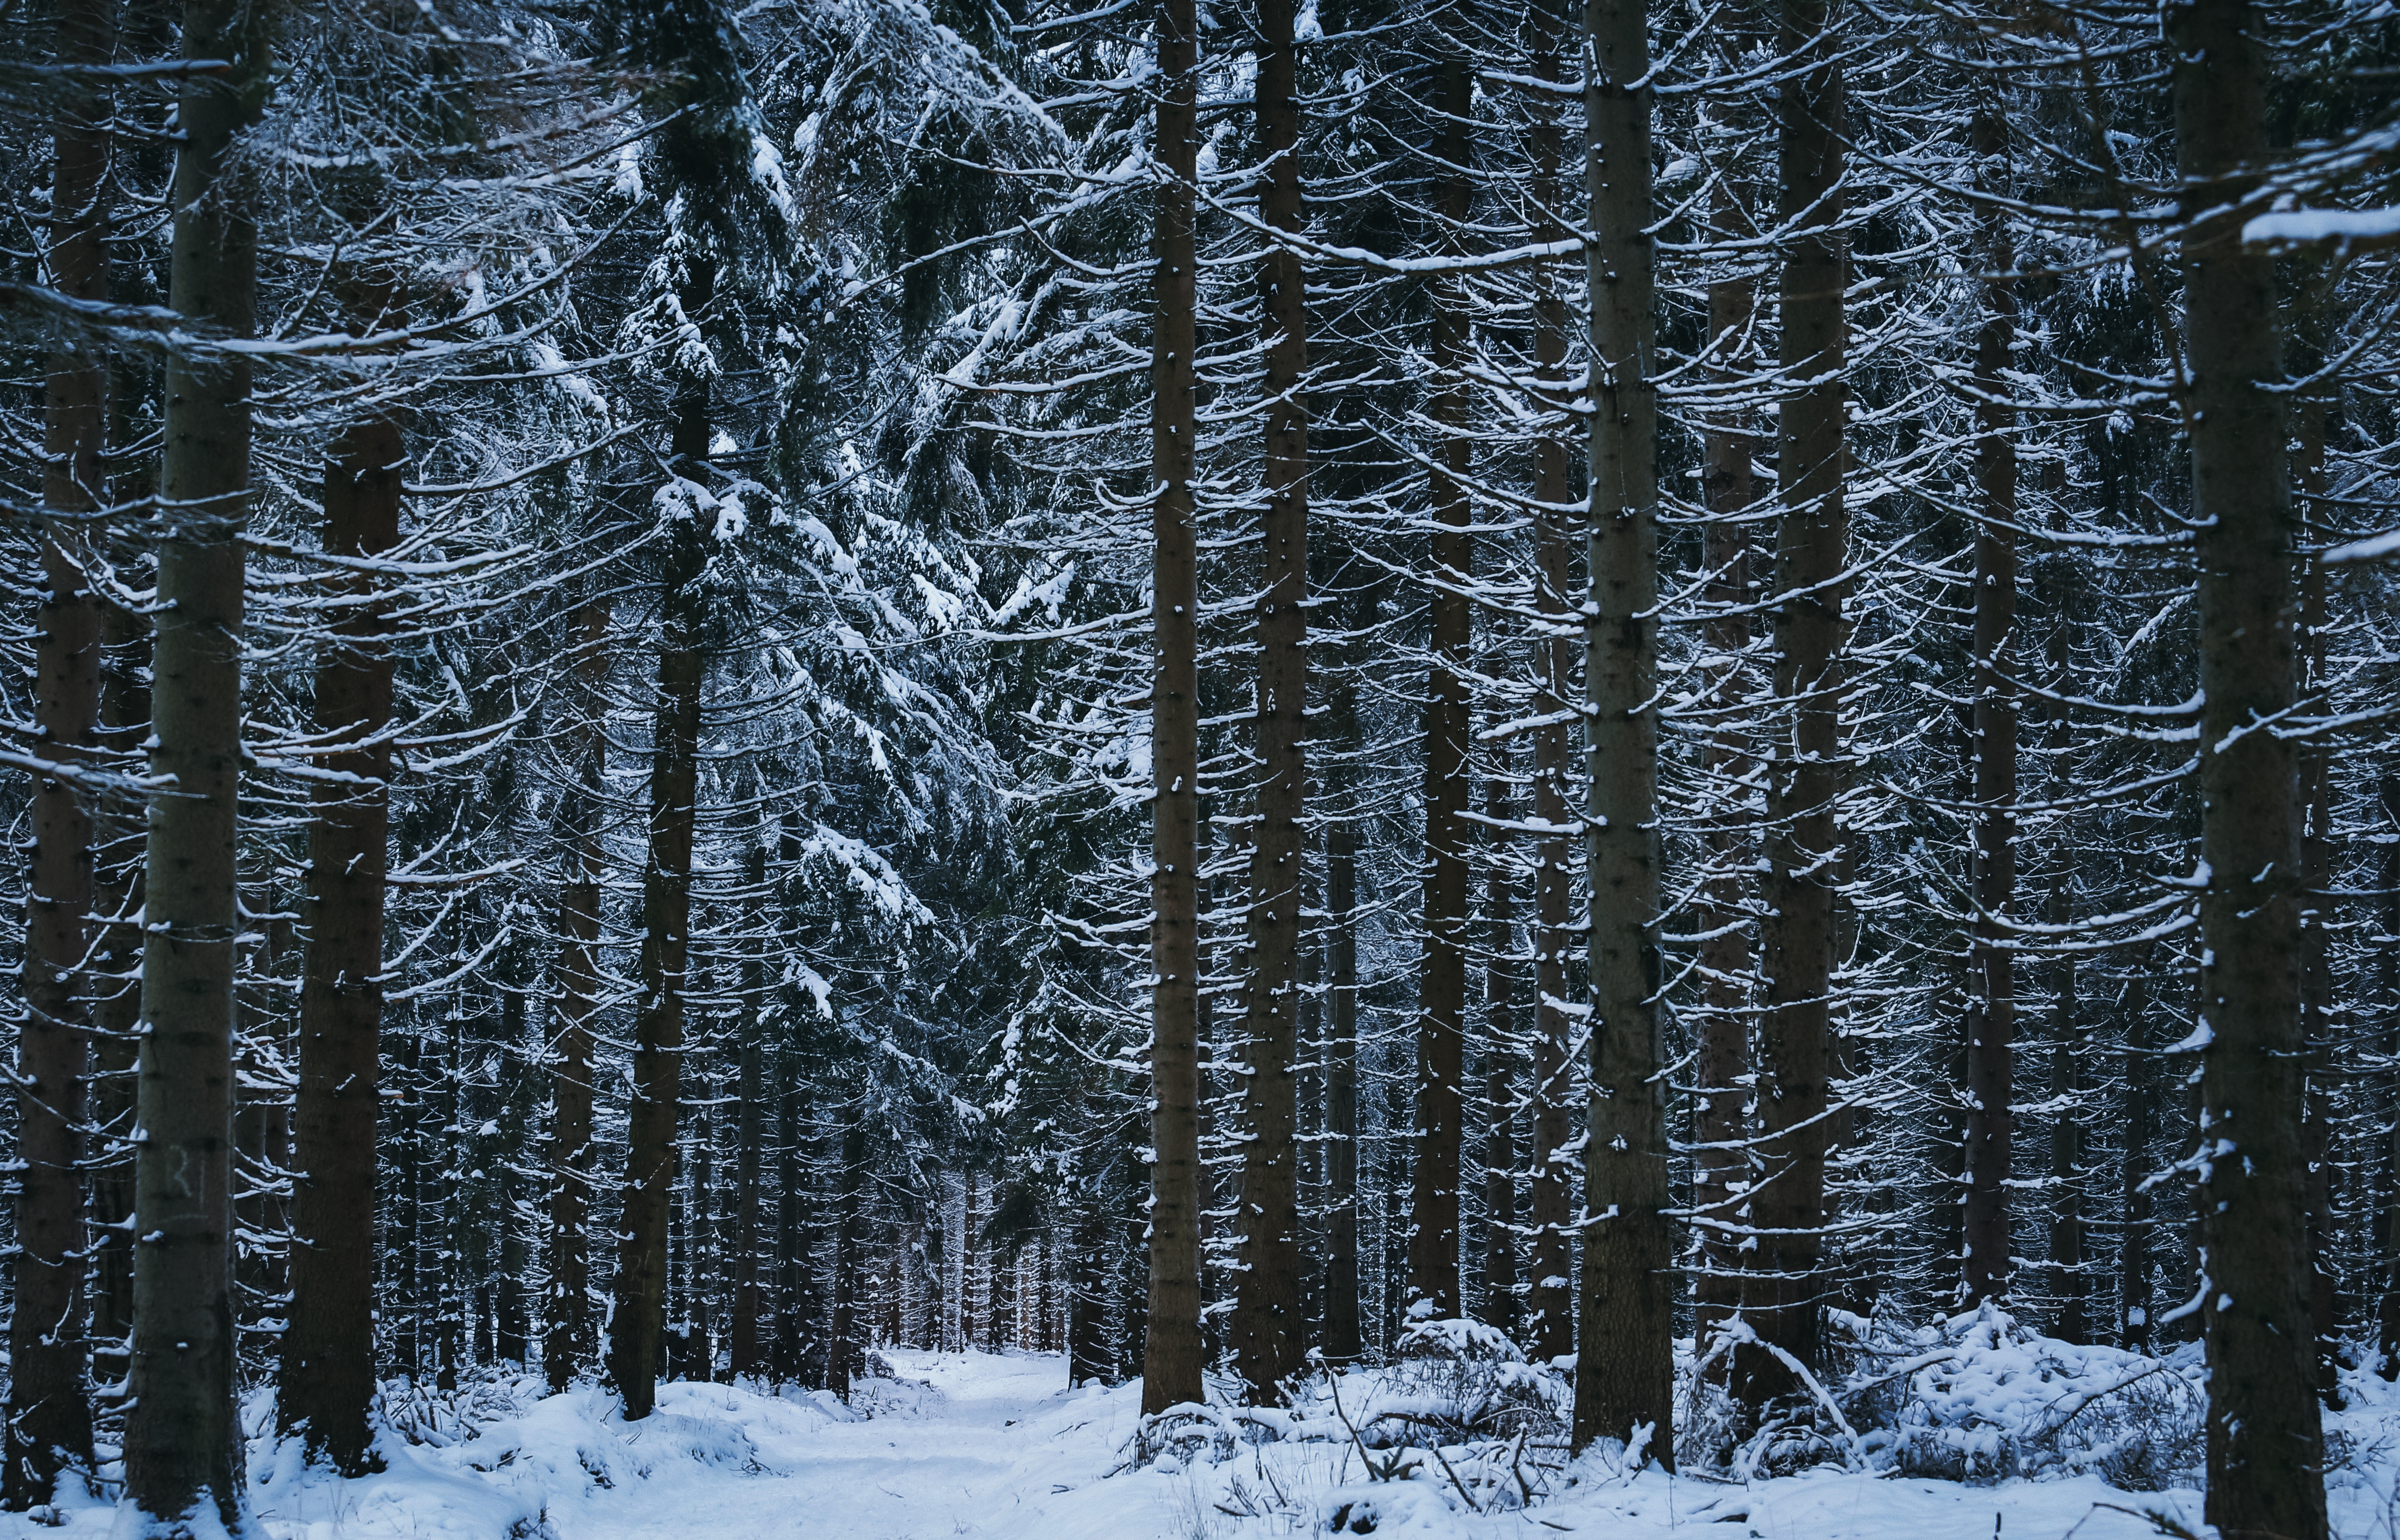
(570, 1336)
(1625, 1362)
(651, 1136)
(1550, 1197)
(1442, 1002)
(116, 991)
(2266, 1442)
(1342, 1342)
(746, 1357)
(2070, 1319)
(1990, 1027)
(2317, 1027)
(1807, 772)
(183, 1447)
(1727, 967)
(2387, 1315)
(1171, 1362)
(1268, 1325)
(326, 1380)
(49, 1414)
(1502, 1046)
(2134, 1247)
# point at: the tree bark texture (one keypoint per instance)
(1990, 1027)
(569, 1338)
(1172, 1355)
(326, 1380)
(182, 1449)
(2266, 1450)
(1549, 1322)
(747, 1357)
(1341, 1340)
(1625, 1356)
(637, 1329)
(1441, 1006)
(49, 1412)
(1728, 963)
(1269, 1324)
(1806, 772)
(1503, 1042)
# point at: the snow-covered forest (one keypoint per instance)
(1201, 767)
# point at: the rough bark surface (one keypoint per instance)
(183, 1446)
(1173, 1354)
(1625, 1353)
(1342, 1342)
(1807, 769)
(1990, 1027)
(1550, 1193)
(569, 1339)
(1269, 1323)
(637, 1329)
(50, 1413)
(2266, 1447)
(1442, 1002)
(326, 1382)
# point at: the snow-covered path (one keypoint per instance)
(994, 1447)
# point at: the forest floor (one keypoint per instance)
(993, 1446)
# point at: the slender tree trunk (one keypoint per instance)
(1341, 1340)
(2071, 1319)
(2317, 1026)
(1728, 965)
(1502, 1046)
(1441, 1008)
(2141, 1130)
(327, 1380)
(748, 1359)
(570, 1337)
(50, 1413)
(2266, 1448)
(116, 993)
(1171, 1362)
(1807, 772)
(2387, 1315)
(183, 1470)
(1550, 1197)
(1625, 1362)
(1268, 1325)
(1990, 1028)
(790, 1303)
(650, 1138)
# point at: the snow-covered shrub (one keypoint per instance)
(1460, 1380)
(1983, 1399)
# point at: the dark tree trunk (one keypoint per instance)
(1501, 1045)
(1268, 1325)
(748, 1355)
(326, 1382)
(115, 984)
(2134, 1259)
(650, 1138)
(1728, 965)
(2317, 1024)
(183, 1446)
(50, 1413)
(570, 1336)
(1442, 1002)
(1624, 1358)
(1807, 771)
(2071, 1317)
(1549, 1189)
(1171, 1364)
(1990, 1027)
(2387, 1315)
(2266, 1445)
(1341, 1341)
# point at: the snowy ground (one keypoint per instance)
(986, 1445)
